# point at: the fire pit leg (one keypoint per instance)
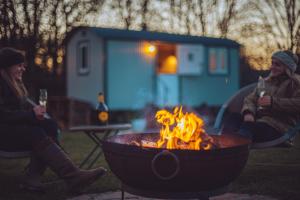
(203, 197)
(122, 193)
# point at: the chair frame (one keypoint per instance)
(230, 106)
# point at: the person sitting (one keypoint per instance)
(267, 117)
(26, 128)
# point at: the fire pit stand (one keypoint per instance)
(202, 195)
(175, 173)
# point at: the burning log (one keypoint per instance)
(135, 143)
(180, 131)
(207, 143)
(148, 144)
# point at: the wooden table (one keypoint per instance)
(94, 132)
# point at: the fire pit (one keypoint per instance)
(143, 163)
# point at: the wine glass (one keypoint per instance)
(261, 89)
(43, 97)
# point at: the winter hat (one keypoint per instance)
(10, 56)
(287, 58)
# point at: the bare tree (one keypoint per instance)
(280, 22)
(144, 12)
(24, 26)
(39, 27)
(292, 10)
(227, 17)
(137, 14)
(202, 17)
(41, 22)
(63, 15)
(181, 15)
(271, 25)
(203, 9)
(126, 10)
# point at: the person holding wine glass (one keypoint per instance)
(274, 105)
(23, 127)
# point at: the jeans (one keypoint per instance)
(256, 131)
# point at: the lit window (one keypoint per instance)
(190, 57)
(218, 61)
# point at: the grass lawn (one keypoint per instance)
(274, 172)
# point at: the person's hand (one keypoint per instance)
(248, 118)
(39, 112)
(264, 101)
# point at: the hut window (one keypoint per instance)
(83, 61)
(190, 59)
(218, 61)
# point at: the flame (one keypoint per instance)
(182, 131)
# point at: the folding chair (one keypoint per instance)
(234, 105)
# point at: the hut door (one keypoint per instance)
(167, 90)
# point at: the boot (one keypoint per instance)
(75, 178)
(33, 172)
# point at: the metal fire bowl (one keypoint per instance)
(165, 170)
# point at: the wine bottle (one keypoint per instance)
(102, 110)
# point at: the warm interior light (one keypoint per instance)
(169, 65)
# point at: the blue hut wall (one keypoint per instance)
(132, 82)
(129, 76)
(211, 89)
(85, 86)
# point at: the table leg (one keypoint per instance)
(87, 158)
(93, 135)
(97, 139)
(95, 159)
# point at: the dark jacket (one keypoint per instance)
(13, 111)
(284, 111)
